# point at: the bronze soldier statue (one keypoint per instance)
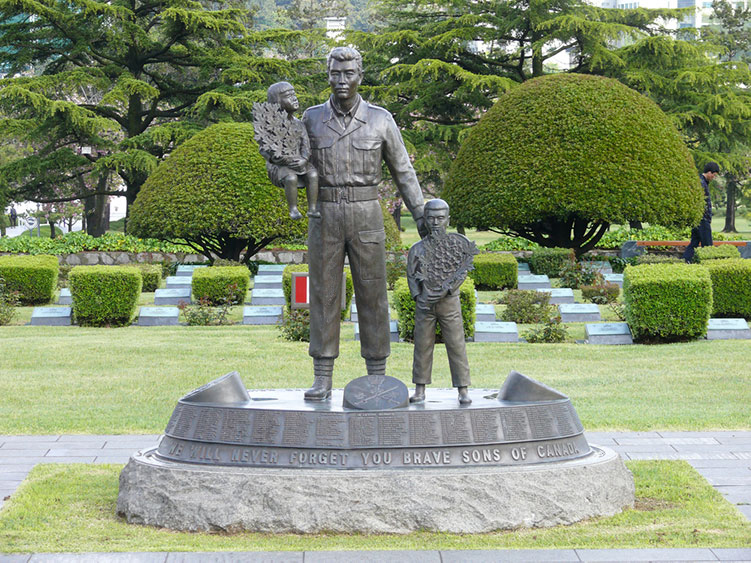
(349, 140)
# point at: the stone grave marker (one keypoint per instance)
(608, 333)
(614, 278)
(728, 329)
(579, 312)
(393, 331)
(271, 269)
(267, 297)
(602, 266)
(51, 316)
(267, 282)
(485, 313)
(177, 282)
(559, 295)
(65, 297)
(533, 282)
(262, 315)
(158, 316)
(188, 269)
(496, 332)
(172, 296)
(522, 267)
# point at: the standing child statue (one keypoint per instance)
(283, 142)
(436, 267)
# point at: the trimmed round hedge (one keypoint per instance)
(214, 191)
(568, 146)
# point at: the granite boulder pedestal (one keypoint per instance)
(368, 461)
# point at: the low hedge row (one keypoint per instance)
(731, 287)
(287, 286)
(667, 302)
(219, 283)
(33, 277)
(707, 253)
(104, 295)
(405, 309)
(550, 261)
(151, 275)
(495, 271)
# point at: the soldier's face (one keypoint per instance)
(344, 79)
(437, 220)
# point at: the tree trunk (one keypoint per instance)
(52, 228)
(635, 225)
(94, 208)
(731, 189)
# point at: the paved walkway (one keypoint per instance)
(723, 458)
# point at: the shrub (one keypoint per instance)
(667, 302)
(151, 275)
(657, 259)
(204, 313)
(33, 277)
(213, 192)
(601, 293)
(405, 309)
(8, 302)
(62, 275)
(219, 283)
(78, 241)
(575, 274)
(104, 295)
(731, 287)
(707, 253)
(287, 286)
(396, 267)
(494, 271)
(550, 261)
(561, 156)
(295, 325)
(525, 306)
(552, 332)
(507, 243)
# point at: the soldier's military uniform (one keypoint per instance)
(347, 151)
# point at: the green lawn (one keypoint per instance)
(71, 508)
(127, 380)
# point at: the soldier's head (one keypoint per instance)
(344, 66)
(283, 93)
(436, 213)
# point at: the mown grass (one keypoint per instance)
(127, 380)
(71, 508)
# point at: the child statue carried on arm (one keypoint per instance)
(283, 142)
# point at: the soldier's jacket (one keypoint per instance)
(353, 157)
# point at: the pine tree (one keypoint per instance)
(109, 88)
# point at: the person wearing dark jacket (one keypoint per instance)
(703, 233)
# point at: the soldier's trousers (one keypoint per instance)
(354, 228)
(448, 312)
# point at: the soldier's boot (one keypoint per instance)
(419, 396)
(464, 396)
(323, 370)
(376, 367)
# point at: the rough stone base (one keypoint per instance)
(189, 497)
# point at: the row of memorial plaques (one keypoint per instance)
(286, 428)
(525, 453)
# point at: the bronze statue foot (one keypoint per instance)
(314, 213)
(419, 396)
(295, 213)
(464, 396)
(321, 389)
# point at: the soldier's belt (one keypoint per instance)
(348, 193)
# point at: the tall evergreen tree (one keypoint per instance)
(111, 87)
